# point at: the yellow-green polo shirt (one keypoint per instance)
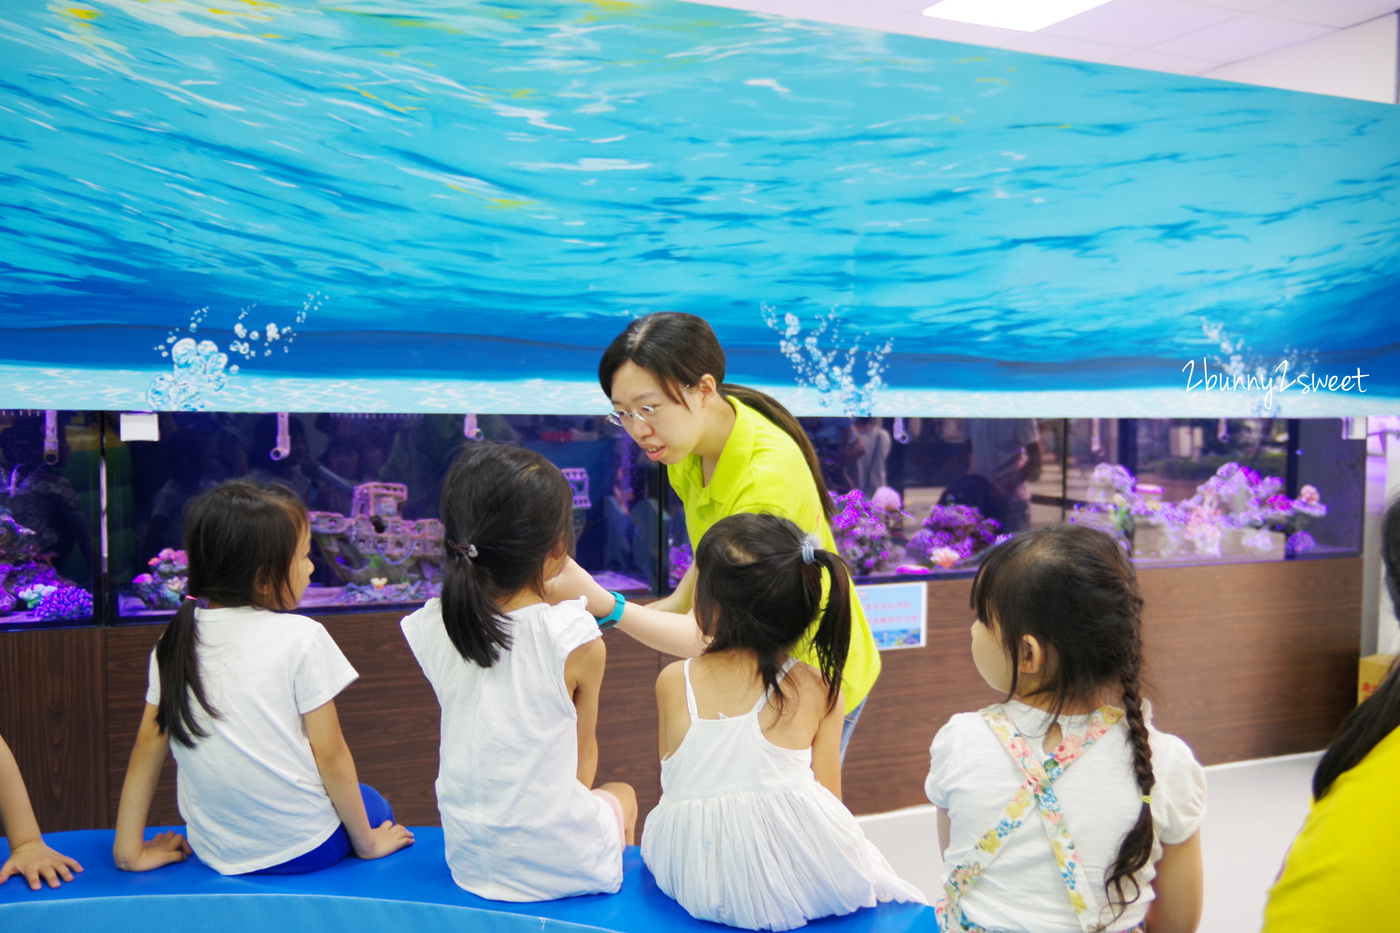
(761, 469)
(1339, 876)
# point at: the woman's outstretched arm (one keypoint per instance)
(663, 625)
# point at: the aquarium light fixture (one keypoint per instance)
(1022, 15)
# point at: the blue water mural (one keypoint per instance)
(453, 206)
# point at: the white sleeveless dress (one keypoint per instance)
(745, 835)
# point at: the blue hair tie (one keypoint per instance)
(809, 548)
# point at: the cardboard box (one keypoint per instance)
(1374, 667)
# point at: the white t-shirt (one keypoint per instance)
(518, 824)
(250, 791)
(973, 777)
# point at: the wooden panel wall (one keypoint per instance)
(53, 718)
(128, 654)
(1245, 660)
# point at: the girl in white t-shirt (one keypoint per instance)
(265, 780)
(518, 682)
(1061, 809)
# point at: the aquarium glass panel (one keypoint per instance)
(371, 484)
(49, 551)
(1173, 491)
(915, 496)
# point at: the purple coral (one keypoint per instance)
(1300, 542)
(681, 559)
(953, 533)
(63, 603)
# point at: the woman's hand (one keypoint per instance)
(572, 582)
(34, 860)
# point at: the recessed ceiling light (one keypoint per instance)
(1024, 15)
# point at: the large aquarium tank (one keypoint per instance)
(915, 497)
(929, 496)
(50, 540)
(372, 484)
(92, 503)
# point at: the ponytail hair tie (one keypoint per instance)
(1147, 799)
(809, 548)
(468, 552)
(191, 598)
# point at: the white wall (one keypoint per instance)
(1359, 62)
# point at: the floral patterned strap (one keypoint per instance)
(1038, 790)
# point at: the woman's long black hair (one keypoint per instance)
(756, 591)
(1074, 590)
(1379, 715)
(678, 349)
(241, 538)
(504, 511)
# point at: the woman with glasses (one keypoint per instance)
(727, 449)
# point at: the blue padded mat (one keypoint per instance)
(410, 890)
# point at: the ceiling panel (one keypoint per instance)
(1243, 36)
(1140, 23)
(1189, 37)
(1338, 14)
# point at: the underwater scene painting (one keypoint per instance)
(451, 206)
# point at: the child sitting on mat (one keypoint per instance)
(1061, 809)
(518, 682)
(265, 780)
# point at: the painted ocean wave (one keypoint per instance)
(455, 177)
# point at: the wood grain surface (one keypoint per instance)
(1244, 661)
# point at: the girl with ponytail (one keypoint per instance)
(518, 682)
(246, 692)
(1061, 809)
(750, 830)
(728, 450)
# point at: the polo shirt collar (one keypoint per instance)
(734, 460)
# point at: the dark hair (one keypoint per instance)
(756, 591)
(504, 509)
(1379, 715)
(678, 349)
(241, 538)
(1074, 590)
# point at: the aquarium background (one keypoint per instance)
(451, 206)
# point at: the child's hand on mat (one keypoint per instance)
(163, 849)
(386, 839)
(34, 860)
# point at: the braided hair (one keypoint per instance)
(1074, 590)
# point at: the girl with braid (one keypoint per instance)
(1061, 809)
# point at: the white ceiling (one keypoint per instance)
(1193, 37)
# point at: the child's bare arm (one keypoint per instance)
(130, 850)
(826, 746)
(670, 705)
(945, 830)
(1179, 888)
(29, 857)
(337, 768)
(583, 676)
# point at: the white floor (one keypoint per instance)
(1253, 810)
